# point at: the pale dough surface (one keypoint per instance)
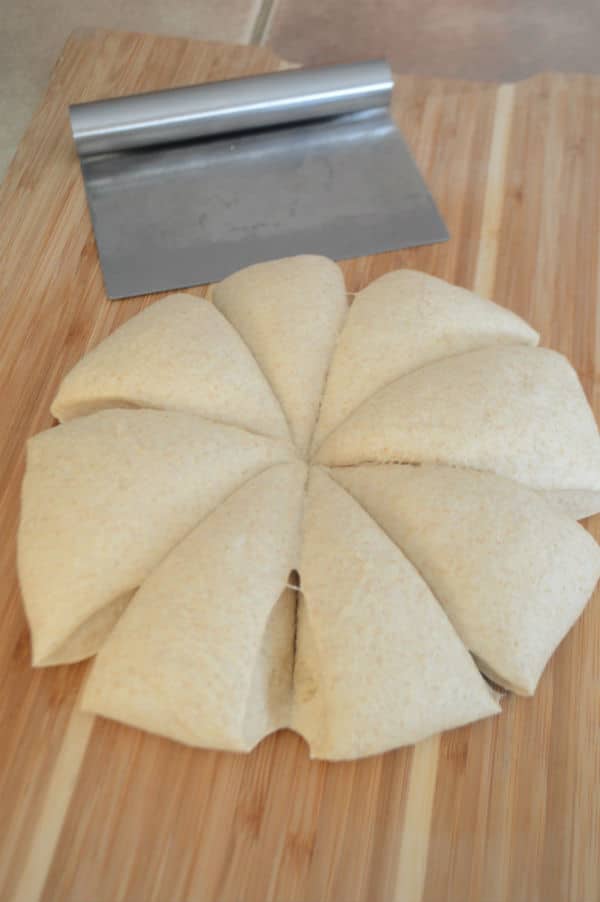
(365, 602)
(178, 354)
(105, 497)
(237, 559)
(511, 573)
(401, 322)
(412, 461)
(517, 411)
(289, 313)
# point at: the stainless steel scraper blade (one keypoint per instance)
(171, 213)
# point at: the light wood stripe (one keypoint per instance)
(494, 193)
(52, 815)
(412, 866)
(419, 806)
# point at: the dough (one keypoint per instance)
(413, 461)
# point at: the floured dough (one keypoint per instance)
(517, 411)
(413, 462)
(364, 601)
(105, 498)
(213, 614)
(401, 322)
(511, 573)
(178, 354)
(289, 314)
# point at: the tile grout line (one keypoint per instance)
(414, 850)
(262, 22)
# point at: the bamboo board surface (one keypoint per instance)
(506, 809)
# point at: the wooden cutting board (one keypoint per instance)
(507, 809)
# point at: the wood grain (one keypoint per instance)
(508, 808)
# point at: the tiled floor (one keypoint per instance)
(489, 39)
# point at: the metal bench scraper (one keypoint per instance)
(188, 185)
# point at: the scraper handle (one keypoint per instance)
(216, 108)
